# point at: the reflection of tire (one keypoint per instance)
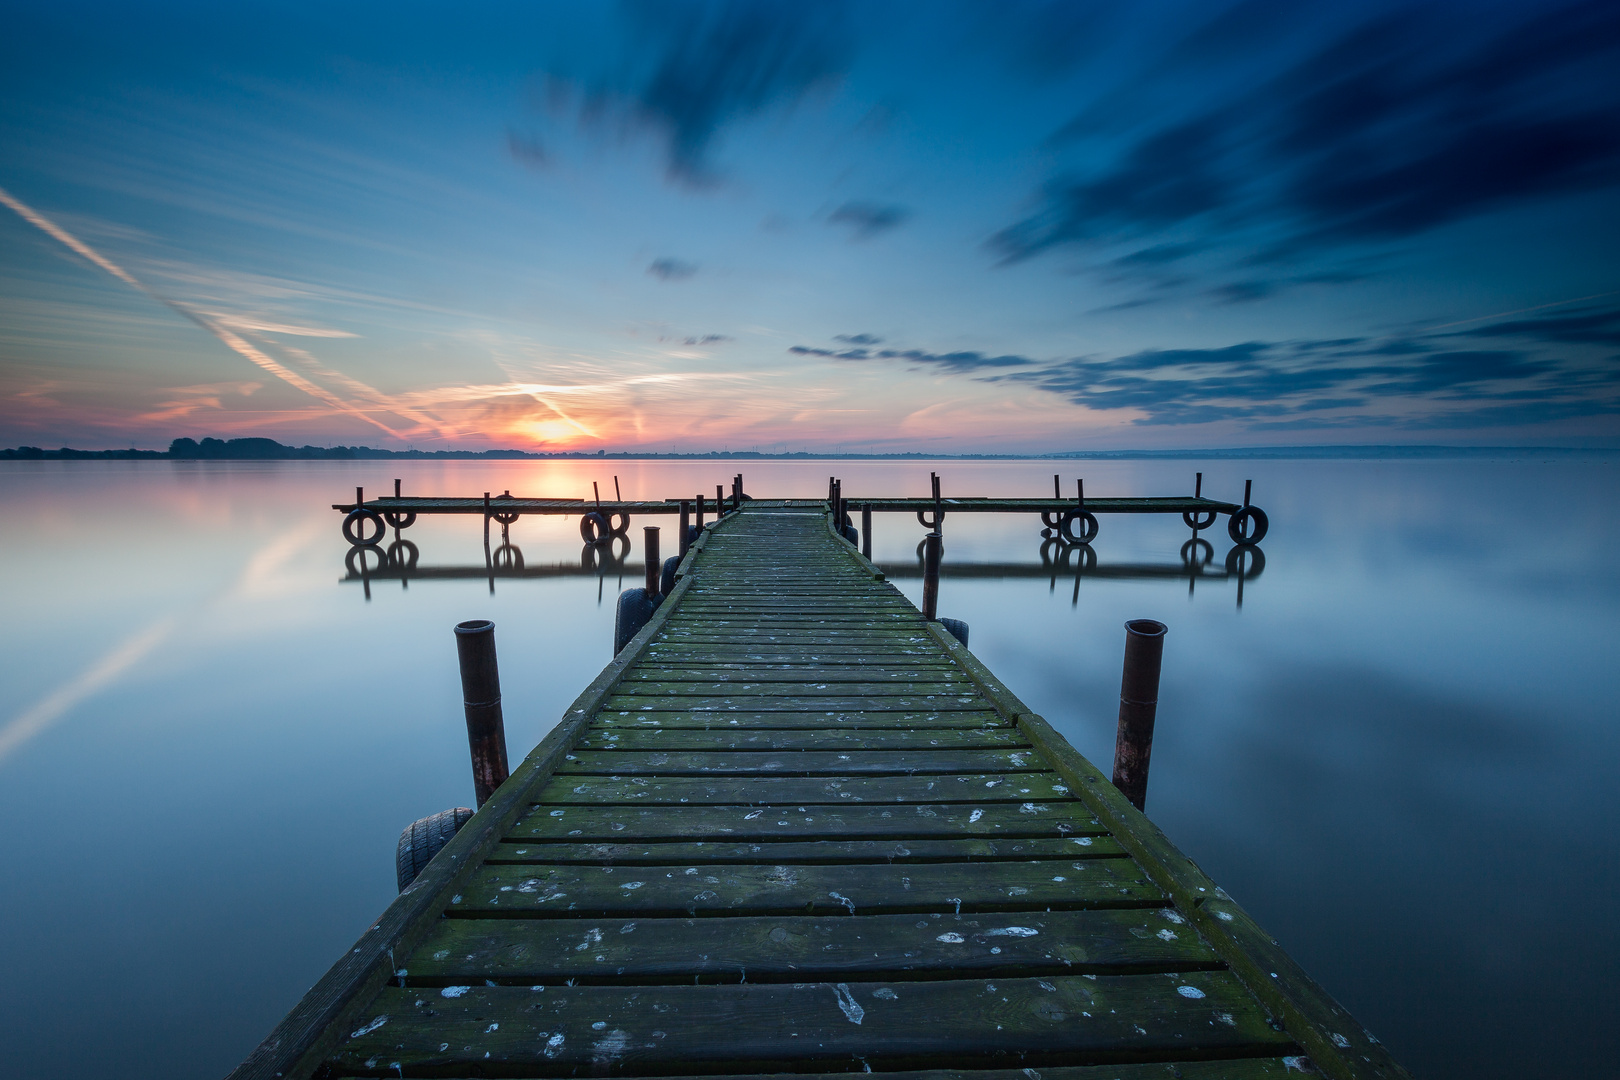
(356, 524)
(1088, 527)
(957, 629)
(507, 557)
(402, 555)
(1245, 561)
(1197, 552)
(593, 528)
(1056, 555)
(400, 521)
(355, 561)
(1201, 519)
(422, 840)
(1248, 526)
(635, 608)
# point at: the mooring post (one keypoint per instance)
(616, 496)
(1198, 486)
(486, 519)
(686, 523)
(396, 489)
(1057, 487)
(931, 548)
(699, 522)
(359, 497)
(1138, 705)
(719, 500)
(649, 542)
(866, 530)
(1248, 489)
(481, 698)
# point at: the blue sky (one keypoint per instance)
(948, 227)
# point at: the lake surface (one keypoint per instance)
(1399, 753)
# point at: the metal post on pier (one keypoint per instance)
(481, 700)
(649, 543)
(1057, 487)
(699, 521)
(719, 500)
(396, 488)
(1138, 706)
(684, 541)
(359, 497)
(866, 530)
(932, 544)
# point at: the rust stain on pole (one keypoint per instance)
(1138, 705)
(481, 699)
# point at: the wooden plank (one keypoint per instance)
(827, 702)
(777, 823)
(911, 762)
(1016, 787)
(862, 888)
(786, 720)
(1285, 1067)
(656, 853)
(742, 691)
(725, 737)
(955, 1023)
(773, 948)
(741, 674)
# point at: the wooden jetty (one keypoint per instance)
(795, 828)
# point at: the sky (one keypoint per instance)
(948, 227)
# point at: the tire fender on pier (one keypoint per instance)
(422, 839)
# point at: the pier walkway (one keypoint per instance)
(794, 828)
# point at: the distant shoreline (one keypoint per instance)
(269, 450)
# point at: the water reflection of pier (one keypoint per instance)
(1059, 562)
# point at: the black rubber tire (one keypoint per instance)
(400, 521)
(363, 517)
(593, 528)
(634, 609)
(1255, 517)
(422, 840)
(1255, 558)
(1088, 527)
(692, 534)
(851, 533)
(1202, 519)
(666, 577)
(622, 528)
(957, 629)
(930, 522)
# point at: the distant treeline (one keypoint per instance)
(270, 450)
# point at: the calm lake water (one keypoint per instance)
(1399, 753)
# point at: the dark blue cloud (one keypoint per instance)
(1386, 130)
(954, 361)
(693, 66)
(869, 219)
(858, 339)
(1417, 380)
(669, 269)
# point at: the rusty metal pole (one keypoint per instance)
(699, 521)
(396, 488)
(866, 530)
(1057, 488)
(1138, 705)
(931, 548)
(719, 500)
(686, 524)
(359, 498)
(649, 543)
(481, 698)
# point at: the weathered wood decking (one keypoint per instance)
(795, 828)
